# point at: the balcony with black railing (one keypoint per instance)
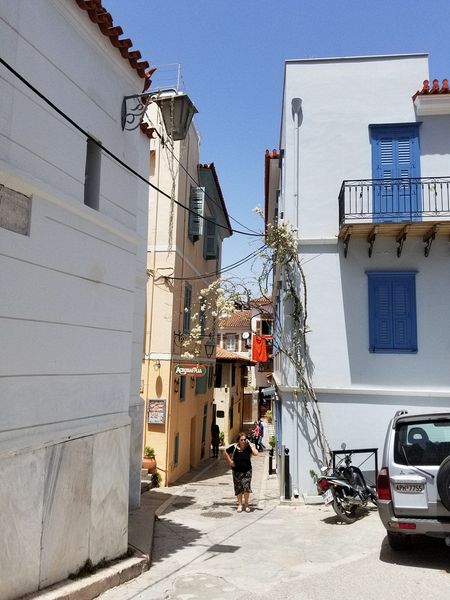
(396, 208)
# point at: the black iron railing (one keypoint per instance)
(391, 200)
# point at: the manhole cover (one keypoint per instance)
(215, 514)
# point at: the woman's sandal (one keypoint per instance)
(247, 509)
(239, 509)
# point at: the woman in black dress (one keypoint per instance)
(239, 458)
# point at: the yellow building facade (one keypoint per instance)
(188, 222)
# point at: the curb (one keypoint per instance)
(90, 587)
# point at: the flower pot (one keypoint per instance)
(149, 464)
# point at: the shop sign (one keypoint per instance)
(191, 370)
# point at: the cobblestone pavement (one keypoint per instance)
(204, 549)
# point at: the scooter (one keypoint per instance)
(346, 489)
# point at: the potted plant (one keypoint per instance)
(221, 438)
(156, 480)
(149, 460)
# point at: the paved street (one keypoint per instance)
(203, 549)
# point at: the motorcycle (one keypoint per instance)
(346, 489)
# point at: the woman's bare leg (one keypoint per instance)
(246, 496)
(239, 499)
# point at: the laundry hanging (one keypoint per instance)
(259, 349)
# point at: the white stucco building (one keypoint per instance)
(375, 253)
(72, 258)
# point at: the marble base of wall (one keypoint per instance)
(60, 506)
(136, 413)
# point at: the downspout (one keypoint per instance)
(297, 115)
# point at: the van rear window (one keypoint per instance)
(422, 442)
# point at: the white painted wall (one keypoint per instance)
(340, 98)
(358, 391)
(71, 299)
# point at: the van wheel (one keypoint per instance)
(398, 541)
(443, 482)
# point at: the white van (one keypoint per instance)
(413, 485)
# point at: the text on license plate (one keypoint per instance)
(409, 488)
(328, 497)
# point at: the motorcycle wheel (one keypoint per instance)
(345, 513)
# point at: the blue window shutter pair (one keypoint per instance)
(196, 212)
(396, 155)
(392, 312)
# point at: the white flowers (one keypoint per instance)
(211, 305)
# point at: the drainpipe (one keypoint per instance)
(297, 115)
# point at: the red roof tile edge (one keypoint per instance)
(212, 168)
(435, 89)
(227, 355)
(99, 15)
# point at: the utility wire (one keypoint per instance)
(216, 273)
(206, 193)
(111, 154)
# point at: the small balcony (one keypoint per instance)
(395, 208)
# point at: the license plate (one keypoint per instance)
(409, 488)
(328, 497)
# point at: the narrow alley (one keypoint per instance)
(204, 549)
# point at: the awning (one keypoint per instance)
(268, 391)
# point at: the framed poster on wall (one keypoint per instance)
(156, 412)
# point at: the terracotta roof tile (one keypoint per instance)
(261, 301)
(99, 15)
(240, 318)
(222, 354)
(435, 88)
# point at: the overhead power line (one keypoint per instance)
(226, 269)
(111, 154)
(206, 193)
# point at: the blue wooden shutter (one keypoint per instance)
(177, 449)
(210, 244)
(403, 313)
(197, 207)
(392, 312)
(380, 303)
(187, 308)
(200, 384)
(182, 388)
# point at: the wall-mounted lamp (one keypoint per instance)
(176, 385)
(176, 108)
(210, 345)
(192, 382)
(157, 364)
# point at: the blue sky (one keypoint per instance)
(232, 55)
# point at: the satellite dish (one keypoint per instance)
(245, 335)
